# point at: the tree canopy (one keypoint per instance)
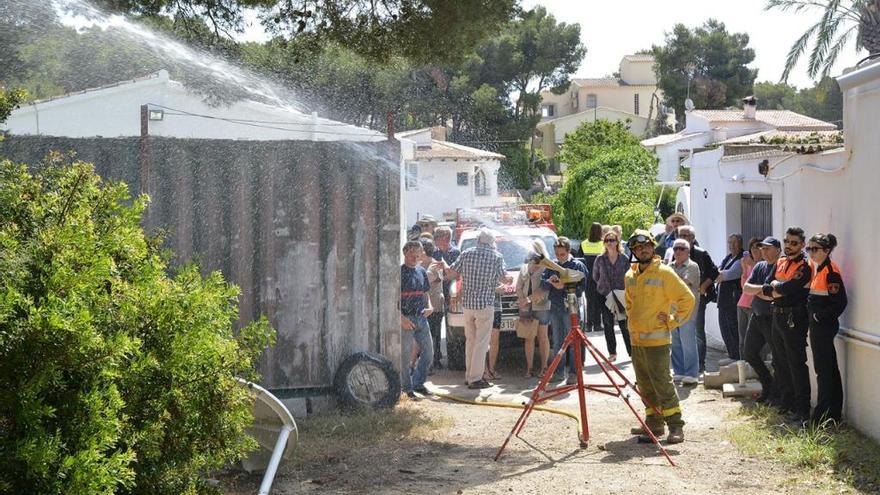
(489, 95)
(709, 59)
(824, 101)
(421, 30)
(609, 179)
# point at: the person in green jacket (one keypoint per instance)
(657, 301)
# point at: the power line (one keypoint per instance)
(305, 127)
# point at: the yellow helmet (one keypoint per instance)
(640, 236)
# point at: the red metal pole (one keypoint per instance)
(579, 369)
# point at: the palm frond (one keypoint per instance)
(798, 6)
(828, 27)
(834, 51)
(796, 50)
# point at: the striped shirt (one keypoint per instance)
(481, 269)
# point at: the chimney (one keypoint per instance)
(438, 133)
(750, 107)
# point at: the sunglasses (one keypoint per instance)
(791, 243)
(813, 249)
(680, 248)
(610, 241)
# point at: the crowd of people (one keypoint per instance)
(771, 296)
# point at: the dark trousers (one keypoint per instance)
(434, 322)
(792, 325)
(757, 335)
(610, 338)
(729, 330)
(829, 404)
(701, 332)
(593, 311)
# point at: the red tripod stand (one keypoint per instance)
(622, 388)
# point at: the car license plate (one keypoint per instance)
(508, 324)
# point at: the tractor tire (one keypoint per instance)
(455, 348)
(367, 379)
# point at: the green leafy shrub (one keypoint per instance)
(116, 377)
(610, 180)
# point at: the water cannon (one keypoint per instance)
(538, 256)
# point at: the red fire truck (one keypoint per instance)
(516, 228)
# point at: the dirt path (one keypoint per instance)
(458, 459)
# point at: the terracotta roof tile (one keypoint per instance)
(783, 120)
(605, 82)
(445, 150)
(757, 154)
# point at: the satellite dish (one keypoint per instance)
(689, 105)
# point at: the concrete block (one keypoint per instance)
(748, 389)
(301, 407)
(713, 379)
(726, 374)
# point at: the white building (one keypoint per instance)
(632, 90)
(827, 191)
(704, 127)
(631, 96)
(173, 111)
(441, 176)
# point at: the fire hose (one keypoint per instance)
(511, 405)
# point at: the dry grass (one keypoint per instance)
(834, 458)
(326, 437)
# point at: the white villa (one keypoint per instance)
(172, 110)
(631, 95)
(441, 176)
(709, 127)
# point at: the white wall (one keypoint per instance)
(564, 126)
(667, 154)
(115, 112)
(726, 130)
(829, 192)
(439, 194)
(637, 72)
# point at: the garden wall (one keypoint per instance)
(308, 230)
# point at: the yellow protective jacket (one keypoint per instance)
(657, 289)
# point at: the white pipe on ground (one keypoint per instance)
(288, 427)
(280, 444)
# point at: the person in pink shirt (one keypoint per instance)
(744, 305)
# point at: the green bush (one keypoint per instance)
(116, 377)
(615, 186)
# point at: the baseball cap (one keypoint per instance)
(771, 241)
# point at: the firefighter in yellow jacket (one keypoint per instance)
(657, 301)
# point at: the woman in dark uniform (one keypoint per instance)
(826, 303)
